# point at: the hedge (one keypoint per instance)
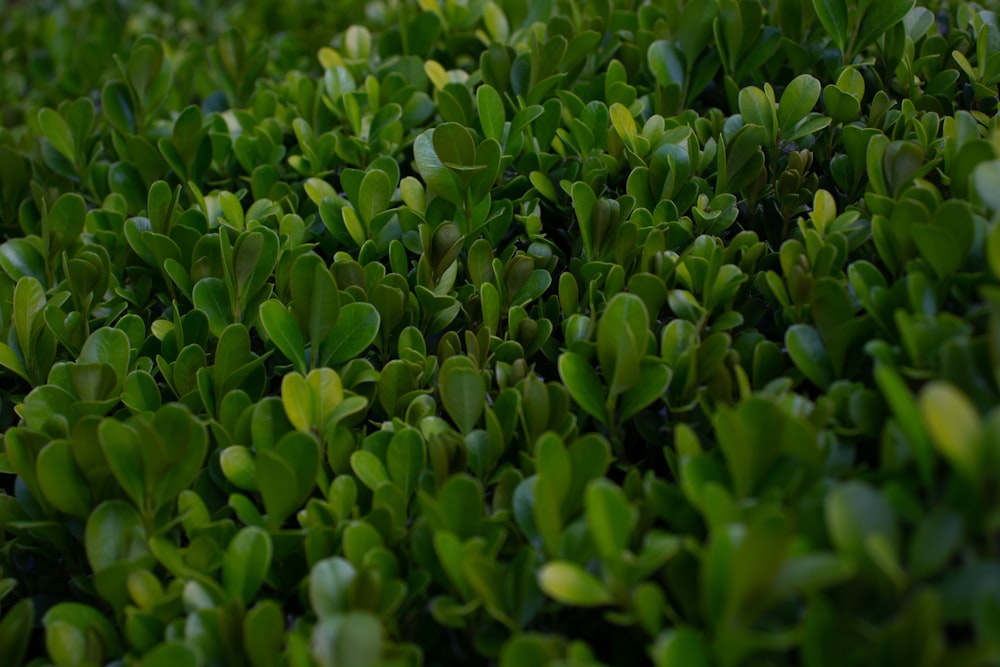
(506, 332)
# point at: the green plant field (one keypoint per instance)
(500, 332)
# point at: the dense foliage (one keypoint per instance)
(548, 332)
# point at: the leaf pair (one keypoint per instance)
(622, 338)
(335, 333)
(854, 25)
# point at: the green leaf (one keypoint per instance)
(254, 257)
(937, 538)
(666, 62)
(547, 512)
(140, 393)
(263, 633)
(621, 341)
(441, 180)
(450, 554)
(353, 639)
(181, 445)
(985, 181)
(315, 299)
(94, 630)
(61, 479)
(904, 407)
(841, 106)
(758, 109)
(405, 459)
(461, 503)
(124, 457)
(855, 513)
(806, 349)
(107, 346)
(300, 451)
(623, 122)
(797, 100)
(553, 464)
(681, 647)
(584, 201)
(369, 468)
(211, 296)
(609, 519)
(454, 146)
(238, 466)
(946, 242)
(57, 131)
(878, 19)
(529, 649)
(144, 65)
(491, 112)
(29, 302)
(953, 424)
(283, 331)
(297, 399)
(19, 258)
(278, 486)
(374, 195)
(356, 328)
(359, 538)
(16, 629)
(462, 392)
(114, 534)
(245, 565)
(329, 586)
(695, 29)
(10, 360)
(654, 378)
(66, 219)
(173, 653)
(117, 106)
(832, 15)
(317, 190)
(570, 584)
(232, 353)
(583, 384)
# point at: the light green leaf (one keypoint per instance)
(297, 399)
(953, 424)
(570, 584)
(369, 468)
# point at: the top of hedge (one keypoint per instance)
(521, 333)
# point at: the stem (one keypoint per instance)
(467, 213)
(404, 19)
(616, 441)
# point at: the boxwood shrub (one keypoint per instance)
(500, 332)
